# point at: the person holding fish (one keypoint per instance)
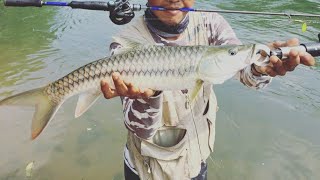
(170, 136)
(180, 56)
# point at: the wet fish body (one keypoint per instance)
(155, 67)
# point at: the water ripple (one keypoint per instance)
(288, 153)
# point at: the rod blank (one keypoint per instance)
(105, 6)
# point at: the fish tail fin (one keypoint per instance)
(45, 108)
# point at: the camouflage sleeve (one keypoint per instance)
(247, 78)
(141, 116)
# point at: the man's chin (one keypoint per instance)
(172, 21)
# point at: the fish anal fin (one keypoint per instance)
(85, 101)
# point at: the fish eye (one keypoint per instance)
(233, 51)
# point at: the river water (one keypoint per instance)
(268, 134)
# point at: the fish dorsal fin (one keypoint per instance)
(128, 43)
(85, 101)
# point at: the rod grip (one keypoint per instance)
(22, 3)
(92, 5)
(312, 48)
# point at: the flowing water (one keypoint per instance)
(268, 134)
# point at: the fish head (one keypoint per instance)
(220, 63)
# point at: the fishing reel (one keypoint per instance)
(120, 12)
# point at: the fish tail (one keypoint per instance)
(45, 108)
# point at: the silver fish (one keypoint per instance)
(149, 66)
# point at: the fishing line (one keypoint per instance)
(303, 23)
(122, 12)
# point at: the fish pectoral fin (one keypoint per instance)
(85, 101)
(196, 89)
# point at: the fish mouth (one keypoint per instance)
(260, 54)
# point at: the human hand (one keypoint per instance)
(281, 67)
(123, 89)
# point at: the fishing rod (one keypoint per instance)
(121, 12)
(159, 8)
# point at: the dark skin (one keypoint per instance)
(276, 67)
(279, 67)
(123, 89)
